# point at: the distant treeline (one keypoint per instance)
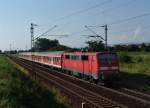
(131, 47)
(43, 44)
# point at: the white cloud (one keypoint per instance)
(137, 33)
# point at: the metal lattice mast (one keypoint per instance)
(97, 35)
(106, 29)
(32, 35)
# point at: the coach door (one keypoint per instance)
(85, 63)
(91, 65)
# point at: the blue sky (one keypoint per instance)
(71, 16)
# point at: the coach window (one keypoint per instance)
(59, 58)
(67, 56)
(49, 58)
(85, 57)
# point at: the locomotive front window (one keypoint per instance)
(105, 58)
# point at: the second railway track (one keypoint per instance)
(135, 93)
(92, 93)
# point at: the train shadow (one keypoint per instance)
(136, 81)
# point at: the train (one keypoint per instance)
(92, 66)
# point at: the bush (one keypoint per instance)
(139, 59)
(18, 90)
(124, 57)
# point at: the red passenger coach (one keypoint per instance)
(47, 58)
(51, 59)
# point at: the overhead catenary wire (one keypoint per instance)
(94, 32)
(107, 10)
(57, 35)
(46, 32)
(81, 11)
(128, 19)
(121, 21)
(131, 29)
(109, 24)
(92, 7)
(125, 20)
(95, 6)
(119, 6)
(89, 8)
(75, 13)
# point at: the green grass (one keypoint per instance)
(17, 90)
(136, 74)
(140, 64)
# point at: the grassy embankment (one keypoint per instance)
(17, 90)
(136, 73)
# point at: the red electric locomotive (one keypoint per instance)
(92, 65)
(97, 66)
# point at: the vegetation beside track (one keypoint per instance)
(135, 69)
(17, 90)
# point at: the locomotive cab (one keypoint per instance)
(108, 66)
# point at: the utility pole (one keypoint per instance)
(32, 36)
(106, 29)
(96, 35)
(32, 45)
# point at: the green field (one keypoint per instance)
(136, 74)
(17, 90)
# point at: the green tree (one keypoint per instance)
(44, 44)
(120, 47)
(133, 47)
(95, 45)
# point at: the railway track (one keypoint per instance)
(125, 99)
(135, 93)
(90, 99)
